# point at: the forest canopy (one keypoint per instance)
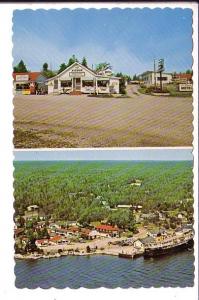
(85, 191)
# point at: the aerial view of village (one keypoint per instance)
(138, 210)
(117, 85)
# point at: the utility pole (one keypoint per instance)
(155, 73)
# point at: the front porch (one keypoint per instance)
(78, 86)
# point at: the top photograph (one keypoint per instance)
(95, 78)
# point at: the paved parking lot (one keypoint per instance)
(81, 121)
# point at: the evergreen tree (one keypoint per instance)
(84, 62)
(62, 67)
(20, 68)
(189, 71)
(45, 67)
(72, 60)
(122, 86)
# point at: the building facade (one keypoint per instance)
(149, 77)
(28, 83)
(78, 79)
(182, 78)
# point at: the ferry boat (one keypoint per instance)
(169, 247)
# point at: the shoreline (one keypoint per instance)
(57, 255)
(36, 257)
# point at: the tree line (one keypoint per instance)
(49, 73)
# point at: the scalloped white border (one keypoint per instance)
(7, 287)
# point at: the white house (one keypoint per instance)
(148, 78)
(78, 79)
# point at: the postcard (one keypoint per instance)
(99, 123)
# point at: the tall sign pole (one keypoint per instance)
(160, 70)
(161, 80)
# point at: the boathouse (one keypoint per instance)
(78, 79)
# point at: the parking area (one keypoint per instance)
(82, 121)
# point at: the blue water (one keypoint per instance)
(106, 271)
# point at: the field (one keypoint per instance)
(81, 121)
(85, 190)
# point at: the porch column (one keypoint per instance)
(96, 87)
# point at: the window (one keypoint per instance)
(163, 78)
(55, 84)
(86, 83)
(66, 83)
(22, 86)
(102, 83)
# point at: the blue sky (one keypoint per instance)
(129, 39)
(136, 154)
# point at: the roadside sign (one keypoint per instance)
(161, 65)
(185, 87)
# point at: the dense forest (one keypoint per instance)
(86, 191)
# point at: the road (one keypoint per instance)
(101, 244)
(46, 121)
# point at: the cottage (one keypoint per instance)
(124, 206)
(42, 243)
(108, 230)
(32, 212)
(149, 216)
(78, 79)
(135, 182)
(57, 239)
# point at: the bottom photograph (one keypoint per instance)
(112, 218)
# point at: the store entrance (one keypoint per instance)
(77, 84)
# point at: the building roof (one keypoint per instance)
(32, 76)
(183, 76)
(106, 227)
(89, 69)
(33, 206)
(85, 231)
(124, 206)
(147, 240)
(149, 72)
(55, 238)
(42, 241)
(73, 229)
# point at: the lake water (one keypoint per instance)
(106, 271)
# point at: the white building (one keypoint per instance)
(78, 79)
(148, 78)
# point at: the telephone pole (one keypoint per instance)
(155, 73)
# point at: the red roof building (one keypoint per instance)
(28, 82)
(107, 228)
(42, 242)
(182, 78)
(27, 76)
